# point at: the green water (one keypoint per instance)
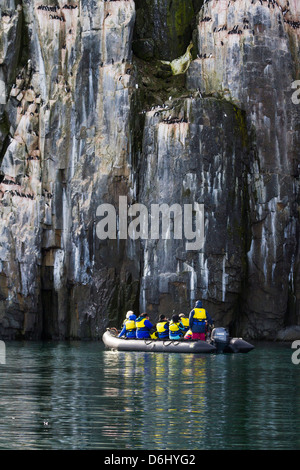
(81, 396)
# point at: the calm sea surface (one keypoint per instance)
(82, 396)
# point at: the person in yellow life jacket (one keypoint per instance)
(198, 320)
(129, 327)
(176, 328)
(185, 321)
(130, 312)
(143, 326)
(162, 327)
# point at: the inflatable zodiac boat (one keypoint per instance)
(219, 342)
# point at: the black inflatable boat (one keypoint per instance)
(219, 342)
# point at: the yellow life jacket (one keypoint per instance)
(130, 325)
(141, 324)
(184, 321)
(174, 326)
(161, 326)
(200, 314)
(153, 335)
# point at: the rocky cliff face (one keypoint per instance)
(91, 111)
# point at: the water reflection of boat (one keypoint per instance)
(218, 342)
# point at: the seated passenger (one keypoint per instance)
(176, 328)
(185, 321)
(129, 327)
(143, 326)
(130, 312)
(162, 327)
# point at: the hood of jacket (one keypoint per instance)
(132, 317)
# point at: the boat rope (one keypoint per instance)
(113, 331)
(172, 341)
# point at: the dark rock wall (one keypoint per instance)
(202, 159)
(91, 113)
(163, 28)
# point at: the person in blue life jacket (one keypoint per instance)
(129, 327)
(198, 320)
(143, 326)
(162, 327)
(185, 321)
(176, 328)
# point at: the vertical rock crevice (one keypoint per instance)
(163, 29)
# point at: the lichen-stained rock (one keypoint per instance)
(10, 43)
(248, 53)
(163, 28)
(10, 29)
(21, 209)
(68, 153)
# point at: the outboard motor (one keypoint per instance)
(220, 339)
